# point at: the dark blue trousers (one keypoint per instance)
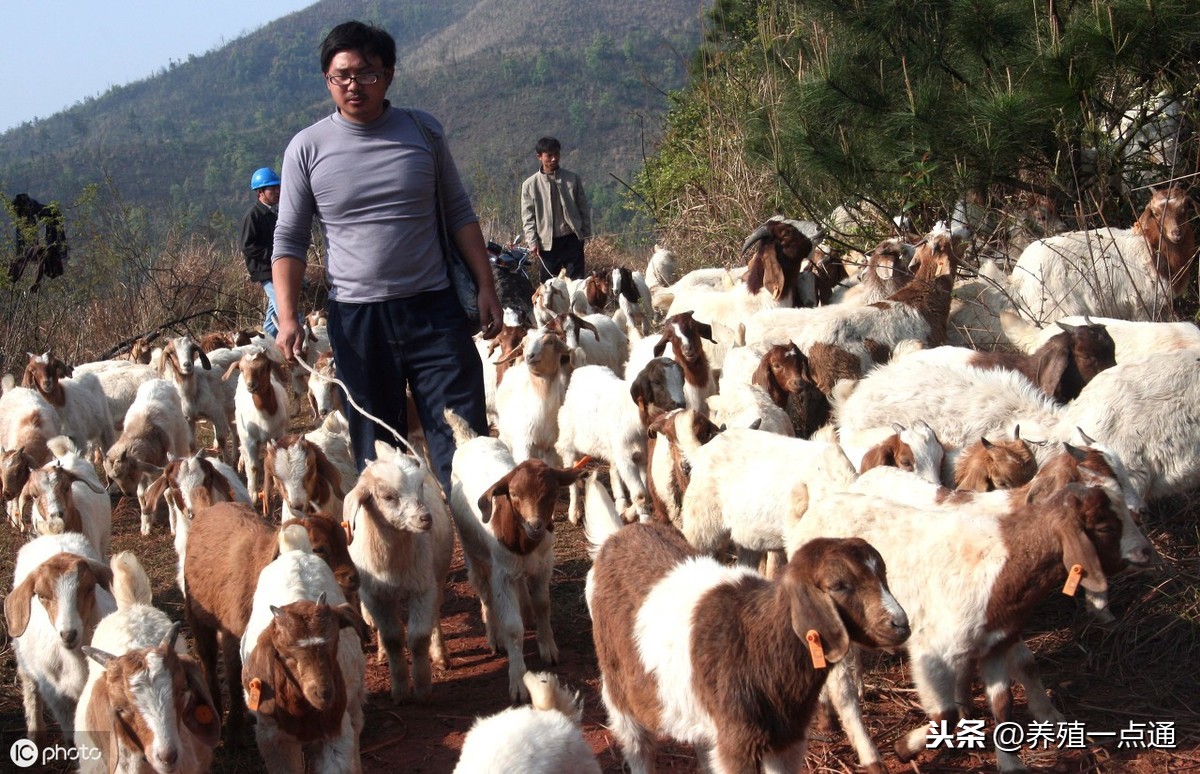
(423, 342)
(567, 254)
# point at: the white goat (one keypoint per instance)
(155, 429)
(261, 408)
(67, 496)
(529, 397)
(542, 739)
(401, 542)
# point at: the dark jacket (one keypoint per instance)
(258, 235)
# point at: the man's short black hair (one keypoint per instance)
(371, 42)
(547, 145)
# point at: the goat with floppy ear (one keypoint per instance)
(780, 249)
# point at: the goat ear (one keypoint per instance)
(16, 607)
(498, 489)
(198, 354)
(268, 478)
(327, 471)
(156, 490)
(511, 356)
(1053, 360)
(660, 346)
(1077, 549)
(229, 371)
(103, 573)
(567, 476)
(877, 457)
(705, 330)
(348, 615)
(355, 502)
(813, 609)
(773, 277)
(663, 423)
(258, 667)
(200, 715)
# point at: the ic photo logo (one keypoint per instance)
(23, 753)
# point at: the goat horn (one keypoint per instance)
(169, 641)
(1087, 439)
(759, 234)
(99, 656)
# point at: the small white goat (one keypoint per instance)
(542, 739)
(401, 542)
(529, 397)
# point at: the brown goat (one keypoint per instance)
(508, 341)
(596, 289)
(227, 548)
(683, 332)
(1166, 224)
(937, 259)
(294, 669)
(42, 373)
(1062, 366)
(775, 265)
(740, 664)
(986, 466)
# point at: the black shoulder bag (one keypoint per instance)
(460, 274)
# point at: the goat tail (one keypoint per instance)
(294, 537)
(600, 517)
(1022, 333)
(547, 693)
(462, 431)
(60, 446)
(130, 584)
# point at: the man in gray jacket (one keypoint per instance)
(555, 213)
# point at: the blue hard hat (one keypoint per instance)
(262, 178)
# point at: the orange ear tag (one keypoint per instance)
(349, 534)
(582, 461)
(815, 651)
(1073, 578)
(204, 714)
(255, 694)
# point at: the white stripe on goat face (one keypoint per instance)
(291, 466)
(888, 601)
(66, 598)
(153, 690)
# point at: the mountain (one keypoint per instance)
(178, 148)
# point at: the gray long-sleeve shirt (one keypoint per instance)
(371, 187)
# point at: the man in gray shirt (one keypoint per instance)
(367, 174)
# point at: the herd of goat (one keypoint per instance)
(900, 453)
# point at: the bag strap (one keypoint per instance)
(435, 148)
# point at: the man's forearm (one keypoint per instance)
(287, 273)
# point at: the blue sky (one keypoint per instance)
(57, 52)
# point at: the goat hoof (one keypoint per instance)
(903, 753)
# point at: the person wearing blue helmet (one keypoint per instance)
(258, 238)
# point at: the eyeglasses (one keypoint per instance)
(362, 79)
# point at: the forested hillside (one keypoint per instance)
(177, 149)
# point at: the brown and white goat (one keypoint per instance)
(155, 431)
(324, 396)
(720, 657)
(228, 546)
(303, 477)
(1062, 366)
(683, 333)
(779, 252)
(145, 707)
(303, 676)
(260, 408)
(60, 592)
(66, 496)
(504, 512)
(83, 410)
(986, 465)
(677, 435)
